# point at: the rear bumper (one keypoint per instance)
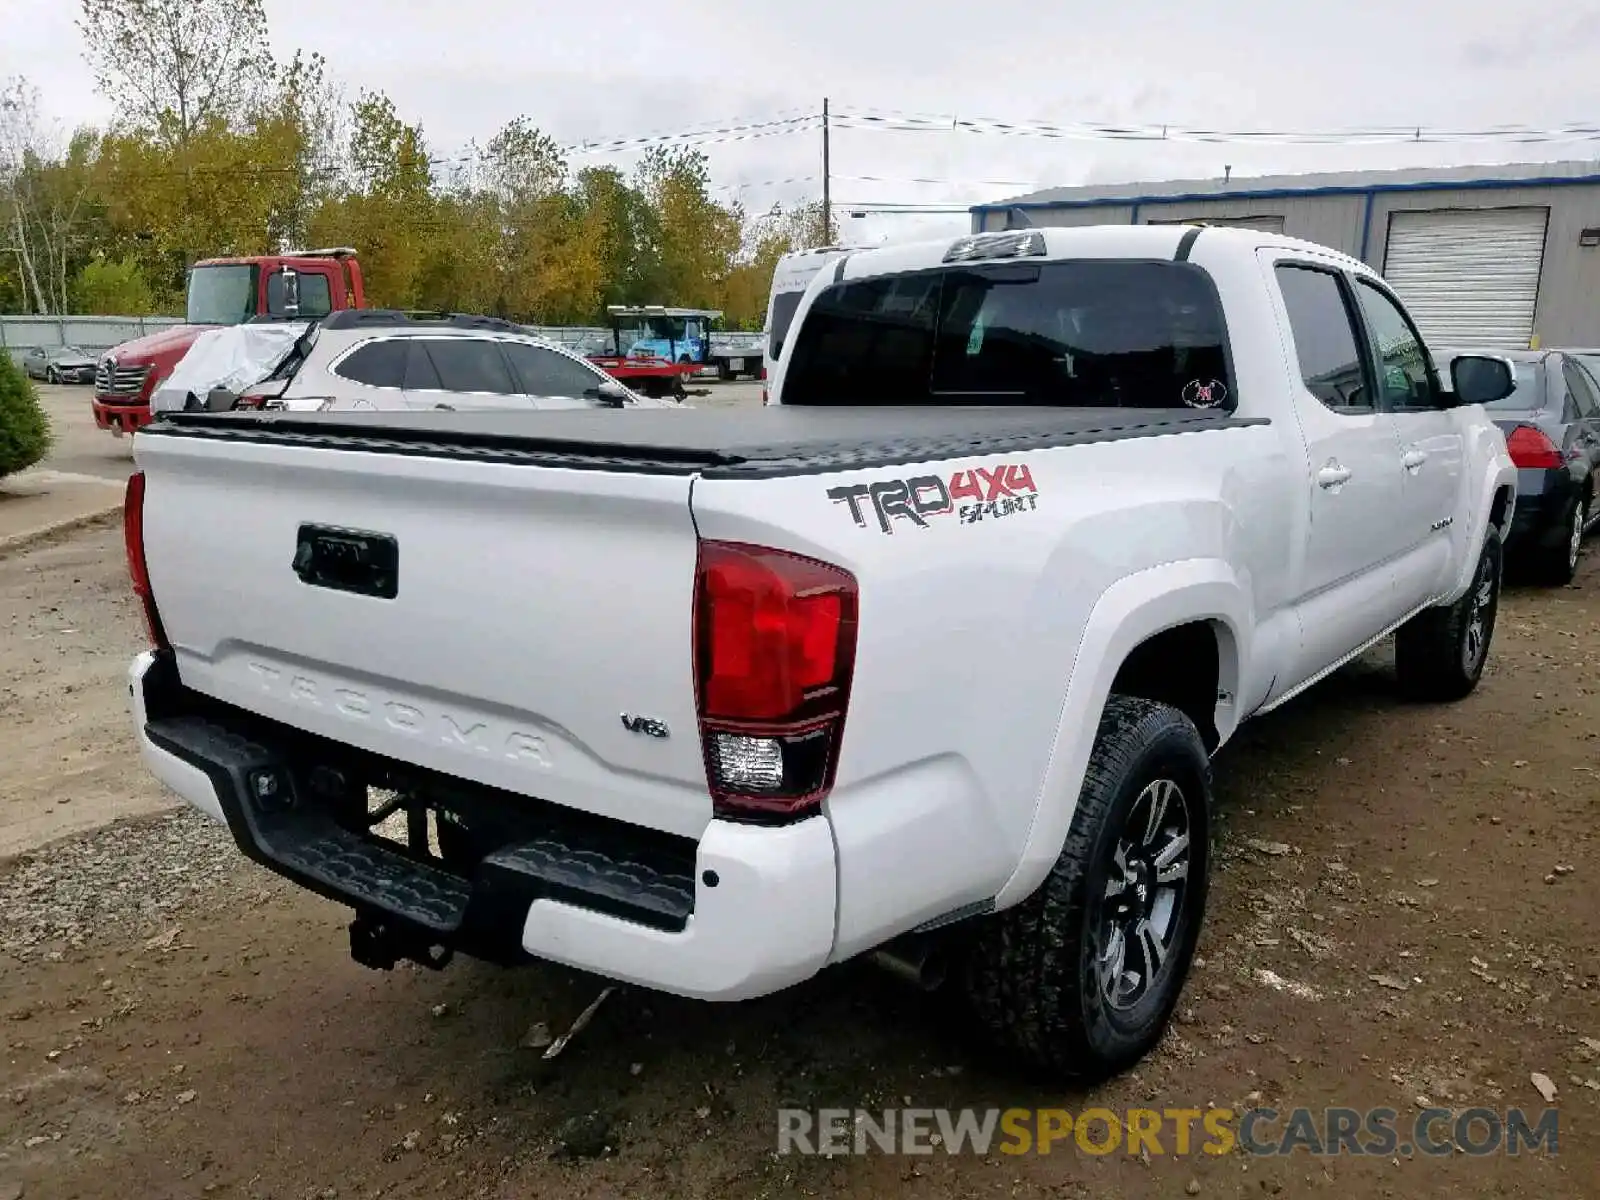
(743, 912)
(120, 418)
(1544, 504)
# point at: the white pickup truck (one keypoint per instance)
(925, 660)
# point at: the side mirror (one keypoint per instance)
(612, 393)
(291, 291)
(1481, 378)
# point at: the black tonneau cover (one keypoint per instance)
(714, 442)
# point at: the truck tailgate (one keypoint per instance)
(534, 612)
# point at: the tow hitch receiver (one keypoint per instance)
(377, 944)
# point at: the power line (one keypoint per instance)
(1090, 131)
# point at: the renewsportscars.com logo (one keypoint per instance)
(1374, 1132)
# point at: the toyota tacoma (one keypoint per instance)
(927, 660)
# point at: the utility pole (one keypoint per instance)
(827, 203)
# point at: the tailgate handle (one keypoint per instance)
(348, 560)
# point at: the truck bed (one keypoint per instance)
(715, 443)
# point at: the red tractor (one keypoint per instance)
(300, 285)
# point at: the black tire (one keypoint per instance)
(1035, 977)
(1558, 565)
(1440, 653)
(51, 375)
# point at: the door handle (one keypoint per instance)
(1333, 475)
(1412, 460)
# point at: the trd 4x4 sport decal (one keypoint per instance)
(982, 493)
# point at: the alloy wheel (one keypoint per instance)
(1480, 617)
(1141, 911)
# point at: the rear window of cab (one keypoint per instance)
(1087, 333)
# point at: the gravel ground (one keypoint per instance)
(1404, 914)
(116, 882)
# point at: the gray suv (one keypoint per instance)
(376, 359)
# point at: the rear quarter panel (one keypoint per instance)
(960, 731)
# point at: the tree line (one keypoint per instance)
(218, 149)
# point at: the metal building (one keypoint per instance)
(1504, 256)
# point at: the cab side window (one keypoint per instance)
(1324, 338)
(314, 291)
(1405, 376)
(316, 297)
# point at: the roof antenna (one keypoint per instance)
(1227, 173)
(1017, 218)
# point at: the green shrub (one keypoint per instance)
(24, 431)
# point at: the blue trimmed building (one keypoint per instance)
(1500, 256)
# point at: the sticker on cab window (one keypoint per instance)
(1204, 393)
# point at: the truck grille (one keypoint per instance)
(111, 380)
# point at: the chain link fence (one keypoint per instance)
(97, 334)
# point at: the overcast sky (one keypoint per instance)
(625, 68)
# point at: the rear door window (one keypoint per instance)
(1082, 334)
(1324, 338)
(470, 365)
(420, 375)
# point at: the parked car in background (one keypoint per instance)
(59, 364)
(790, 278)
(380, 359)
(1552, 427)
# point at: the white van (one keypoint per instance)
(790, 279)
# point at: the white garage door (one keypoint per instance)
(1469, 276)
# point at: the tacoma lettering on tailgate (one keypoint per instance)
(976, 494)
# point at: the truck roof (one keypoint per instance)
(335, 252)
(1084, 241)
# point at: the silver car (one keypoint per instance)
(375, 359)
(59, 364)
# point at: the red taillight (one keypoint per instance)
(138, 569)
(1530, 448)
(775, 638)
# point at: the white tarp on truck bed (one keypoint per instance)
(232, 358)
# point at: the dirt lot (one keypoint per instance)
(177, 1023)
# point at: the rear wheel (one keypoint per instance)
(1440, 653)
(1081, 978)
(1558, 564)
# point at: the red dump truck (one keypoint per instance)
(223, 291)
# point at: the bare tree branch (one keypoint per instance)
(171, 66)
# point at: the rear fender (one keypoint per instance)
(1489, 470)
(1129, 612)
